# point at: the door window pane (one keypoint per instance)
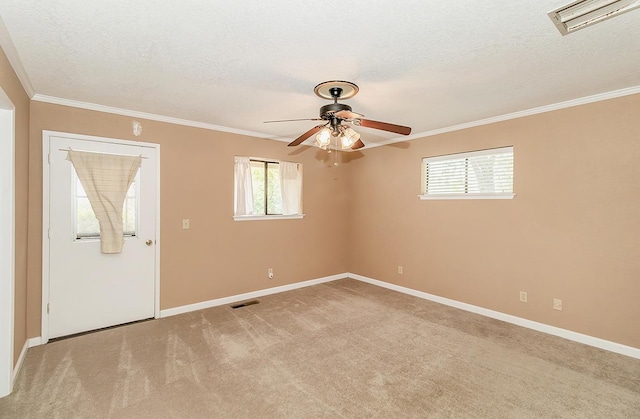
(86, 223)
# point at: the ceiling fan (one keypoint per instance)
(338, 116)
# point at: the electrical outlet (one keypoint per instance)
(400, 270)
(557, 304)
(185, 224)
(270, 273)
(523, 296)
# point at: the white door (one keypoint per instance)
(87, 289)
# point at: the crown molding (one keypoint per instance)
(520, 114)
(14, 59)
(153, 117)
(514, 115)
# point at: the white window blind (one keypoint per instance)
(484, 174)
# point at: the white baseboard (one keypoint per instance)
(247, 296)
(16, 368)
(37, 341)
(529, 324)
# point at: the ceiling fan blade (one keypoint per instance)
(358, 144)
(384, 126)
(306, 135)
(348, 115)
(291, 120)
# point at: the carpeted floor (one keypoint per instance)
(343, 349)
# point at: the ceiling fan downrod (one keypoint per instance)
(335, 93)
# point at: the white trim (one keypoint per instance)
(467, 196)
(44, 322)
(266, 160)
(37, 341)
(98, 139)
(14, 59)
(156, 311)
(529, 324)
(16, 369)
(469, 154)
(46, 135)
(267, 217)
(249, 295)
(514, 115)
(153, 117)
(7, 242)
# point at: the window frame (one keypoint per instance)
(466, 195)
(135, 185)
(262, 217)
(266, 164)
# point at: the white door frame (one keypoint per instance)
(7, 242)
(46, 135)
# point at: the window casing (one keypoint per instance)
(267, 189)
(484, 174)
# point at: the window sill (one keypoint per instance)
(466, 196)
(267, 217)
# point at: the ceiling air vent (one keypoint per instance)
(583, 13)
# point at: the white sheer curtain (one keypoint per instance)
(243, 189)
(106, 178)
(291, 188)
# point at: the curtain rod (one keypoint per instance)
(97, 152)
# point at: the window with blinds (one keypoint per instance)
(484, 174)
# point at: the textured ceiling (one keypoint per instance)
(428, 65)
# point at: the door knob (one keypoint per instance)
(149, 242)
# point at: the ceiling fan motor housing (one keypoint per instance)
(327, 111)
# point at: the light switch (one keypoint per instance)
(185, 224)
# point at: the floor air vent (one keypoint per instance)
(246, 303)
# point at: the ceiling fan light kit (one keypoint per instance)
(323, 139)
(349, 138)
(338, 115)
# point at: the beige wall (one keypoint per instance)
(12, 87)
(217, 257)
(572, 232)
